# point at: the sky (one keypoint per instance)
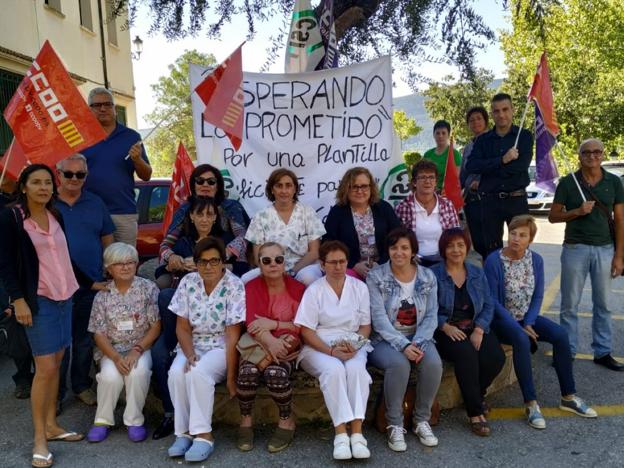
(158, 53)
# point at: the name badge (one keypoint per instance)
(125, 325)
(371, 240)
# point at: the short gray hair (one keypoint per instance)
(584, 143)
(73, 157)
(97, 91)
(266, 245)
(120, 252)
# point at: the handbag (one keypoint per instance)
(252, 351)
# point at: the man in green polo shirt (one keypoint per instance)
(594, 223)
(439, 154)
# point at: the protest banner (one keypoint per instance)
(317, 124)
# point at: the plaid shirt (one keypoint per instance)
(406, 212)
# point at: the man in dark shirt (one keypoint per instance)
(503, 167)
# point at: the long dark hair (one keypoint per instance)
(22, 200)
(198, 171)
(199, 205)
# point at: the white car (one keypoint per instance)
(539, 200)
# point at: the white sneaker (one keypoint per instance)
(425, 434)
(359, 447)
(342, 450)
(534, 417)
(396, 438)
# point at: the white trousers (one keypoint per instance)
(111, 382)
(345, 385)
(192, 393)
(307, 275)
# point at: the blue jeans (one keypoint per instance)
(163, 347)
(578, 260)
(510, 332)
(81, 348)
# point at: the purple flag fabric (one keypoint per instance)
(546, 170)
(328, 33)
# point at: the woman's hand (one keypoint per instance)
(344, 352)
(132, 358)
(528, 329)
(362, 269)
(230, 383)
(261, 324)
(453, 332)
(476, 337)
(100, 286)
(189, 264)
(22, 312)
(413, 353)
(121, 365)
(190, 362)
(276, 348)
(175, 263)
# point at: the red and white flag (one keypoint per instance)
(222, 93)
(49, 117)
(451, 187)
(180, 185)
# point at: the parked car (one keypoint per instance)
(151, 198)
(539, 200)
(615, 167)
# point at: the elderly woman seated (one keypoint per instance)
(210, 305)
(125, 323)
(272, 301)
(334, 316)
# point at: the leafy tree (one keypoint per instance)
(404, 126)
(450, 100)
(583, 40)
(411, 158)
(173, 109)
(407, 29)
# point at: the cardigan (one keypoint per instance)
(496, 278)
(19, 264)
(339, 226)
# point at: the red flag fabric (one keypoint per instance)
(14, 159)
(451, 186)
(541, 93)
(222, 92)
(48, 116)
(180, 185)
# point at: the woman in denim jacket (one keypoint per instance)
(404, 310)
(462, 337)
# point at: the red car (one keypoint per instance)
(151, 198)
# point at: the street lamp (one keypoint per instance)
(138, 48)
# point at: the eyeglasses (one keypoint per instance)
(594, 153)
(341, 262)
(426, 178)
(99, 105)
(208, 180)
(204, 262)
(360, 188)
(70, 174)
(124, 264)
(268, 260)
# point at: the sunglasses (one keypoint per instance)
(268, 260)
(99, 105)
(208, 180)
(203, 262)
(70, 174)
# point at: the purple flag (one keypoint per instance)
(546, 170)
(328, 33)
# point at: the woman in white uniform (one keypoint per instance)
(334, 310)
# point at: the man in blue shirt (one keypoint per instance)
(89, 230)
(112, 164)
(503, 168)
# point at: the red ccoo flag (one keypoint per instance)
(451, 187)
(180, 185)
(48, 116)
(15, 160)
(222, 92)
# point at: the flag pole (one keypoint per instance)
(156, 127)
(567, 163)
(526, 108)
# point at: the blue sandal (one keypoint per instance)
(180, 446)
(199, 451)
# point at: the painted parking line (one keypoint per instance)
(586, 357)
(551, 293)
(582, 314)
(518, 413)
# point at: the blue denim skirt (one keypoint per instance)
(51, 330)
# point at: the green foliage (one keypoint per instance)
(450, 100)
(404, 126)
(411, 158)
(583, 40)
(172, 94)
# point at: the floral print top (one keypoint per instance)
(124, 318)
(209, 314)
(365, 228)
(303, 227)
(519, 284)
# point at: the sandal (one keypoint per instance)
(70, 436)
(281, 439)
(245, 439)
(42, 461)
(480, 428)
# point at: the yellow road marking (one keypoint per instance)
(587, 357)
(551, 292)
(518, 413)
(582, 314)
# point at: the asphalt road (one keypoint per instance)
(567, 441)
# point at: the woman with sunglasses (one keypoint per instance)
(361, 220)
(291, 224)
(207, 181)
(210, 305)
(334, 316)
(272, 301)
(37, 273)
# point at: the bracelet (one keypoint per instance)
(139, 348)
